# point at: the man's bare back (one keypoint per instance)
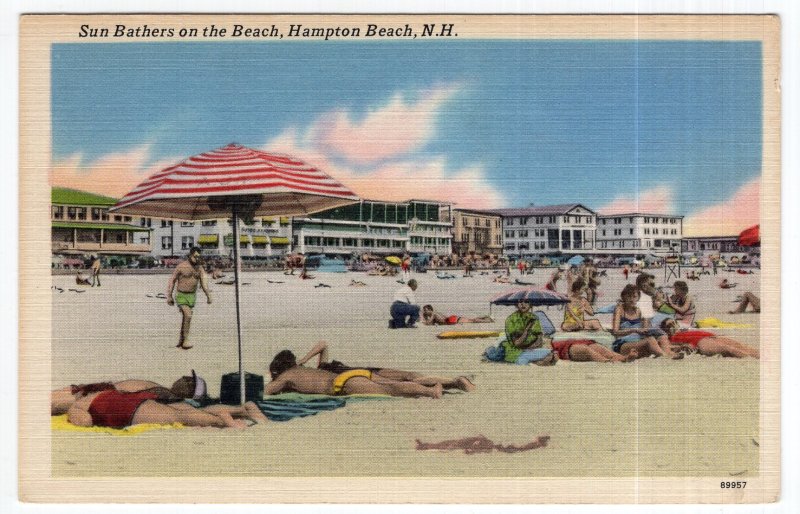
(303, 380)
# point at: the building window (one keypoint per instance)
(187, 223)
(76, 213)
(166, 223)
(209, 223)
(631, 231)
(523, 221)
(166, 243)
(604, 231)
(187, 242)
(509, 222)
(58, 212)
(522, 233)
(146, 222)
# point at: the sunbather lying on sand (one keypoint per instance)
(336, 378)
(706, 343)
(132, 402)
(431, 317)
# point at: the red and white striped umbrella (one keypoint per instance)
(263, 184)
(233, 182)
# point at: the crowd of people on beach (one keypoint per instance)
(646, 321)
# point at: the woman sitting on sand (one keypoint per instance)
(727, 285)
(680, 304)
(577, 308)
(634, 335)
(706, 343)
(431, 317)
(554, 278)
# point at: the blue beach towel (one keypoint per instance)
(284, 410)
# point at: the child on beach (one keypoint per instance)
(577, 308)
(633, 332)
(431, 317)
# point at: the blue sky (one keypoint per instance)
(616, 125)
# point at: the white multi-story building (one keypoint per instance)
(372, 226)
(566, 228)
(264, 237)
(635, 233)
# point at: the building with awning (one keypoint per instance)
(81, 225)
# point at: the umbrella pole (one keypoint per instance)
(236, 281)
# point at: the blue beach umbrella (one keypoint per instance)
(536, 297)
(576, 260)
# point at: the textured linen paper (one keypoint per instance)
(474, 143)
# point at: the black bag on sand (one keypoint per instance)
(229, 390)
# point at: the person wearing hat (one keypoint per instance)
(96, 265)
(133, 402)
(188, 274)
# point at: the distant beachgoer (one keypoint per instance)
(187, 276)
(577, 308)
(501, 279)
(96, 265)
(727, 285)
(405, 266)
(554, 278)
(692, 275)
(81, 280)
(633, 332)
(357, 283)
(748, 299)
(289, 376)
(521, 267)
(524, 338)
(431, 317)
(323, 362)
(404, 309)
(707, 343)
(625, 271)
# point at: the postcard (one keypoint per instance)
(427, 258)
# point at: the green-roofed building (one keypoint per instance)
(82, 226)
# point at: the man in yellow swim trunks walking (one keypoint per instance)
(188, 274)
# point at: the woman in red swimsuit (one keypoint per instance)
(121, 405)
(707, 343)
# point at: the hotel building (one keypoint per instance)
(477, 231)
(263, 238)
(372, 226)
(82, 226)
(639, 233)
(565, 228)
(717, 245)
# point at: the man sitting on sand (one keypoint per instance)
(133, 402)
(289, 376)
(404, 309)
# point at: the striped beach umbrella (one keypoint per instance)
(235, 182)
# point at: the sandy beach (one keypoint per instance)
(650, 418)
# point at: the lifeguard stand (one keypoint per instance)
(672, 267)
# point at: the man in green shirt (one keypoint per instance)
(524, 339)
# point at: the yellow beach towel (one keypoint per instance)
(61, 423)
(716, 323)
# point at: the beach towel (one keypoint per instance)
(716, 323)
(61, 423)
(286, 406)
(599, 336)
(548, 328)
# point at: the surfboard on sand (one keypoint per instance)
(467, 334)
